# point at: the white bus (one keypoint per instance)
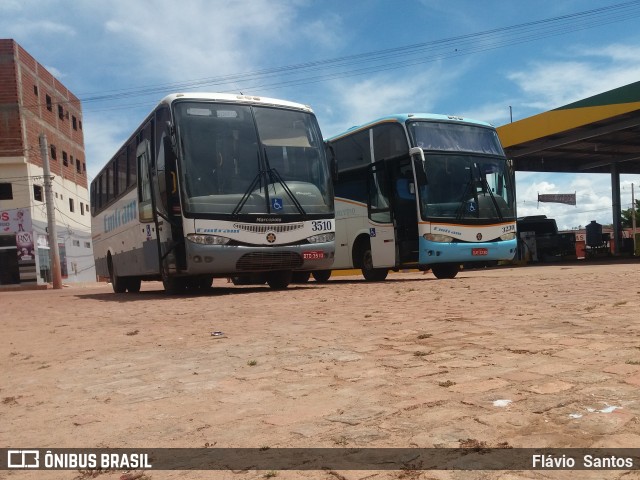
(215, 185)
(421, 191)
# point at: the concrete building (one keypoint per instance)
(33, 102)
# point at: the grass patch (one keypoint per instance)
(252, 363)
(447, 384)
(422, 336)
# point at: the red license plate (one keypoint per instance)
(479, 251)
(313, 255)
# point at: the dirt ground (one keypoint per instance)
(539, 356)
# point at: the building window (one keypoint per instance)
(84, 167)
(54, 154)
(87, 244)
(56, 194)
(60, 112)
(80, 124)
(37, 193)
(6, 191)
(71, 207)
(74, 122)
(78, 166)
(65, 160)
(81, 208)
(35, 90)
(49, 104)
(76, 243)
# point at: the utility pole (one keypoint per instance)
(51, 215)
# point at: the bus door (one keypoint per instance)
(405, 212)
(147, 234)
(381, 228)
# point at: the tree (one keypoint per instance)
(626, 216)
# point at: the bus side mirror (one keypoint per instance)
(419, 164)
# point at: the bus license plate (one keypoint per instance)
(313, 255)
(479, 251)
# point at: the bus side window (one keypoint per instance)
(353, 151)
(389, 140)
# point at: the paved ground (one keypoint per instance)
(543, 356)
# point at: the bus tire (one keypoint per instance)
(279, 280)
(173, 285)
(300, 277)
(445, 270)
(119, 284)
(205, 282)
(369, 273)
(133, 284)
(322, 276)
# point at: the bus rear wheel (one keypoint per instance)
(369, 273)
(119, 284)
(445, 270)
(322, 276)
(279, 280)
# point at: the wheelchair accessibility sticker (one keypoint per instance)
(276, 203)
(472, 207)
(372, 232)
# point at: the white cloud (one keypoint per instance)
(554, 83)
(418, 91)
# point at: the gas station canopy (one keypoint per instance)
(589, 135)
(600, 134)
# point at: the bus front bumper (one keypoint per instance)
(436, 252)
(233, 260)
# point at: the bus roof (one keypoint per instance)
(403, 117)
(232, 98)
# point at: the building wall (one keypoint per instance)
(33, 102)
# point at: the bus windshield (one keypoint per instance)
(464, 187)
(241, 159)
(454, 137)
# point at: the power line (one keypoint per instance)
(378, 60)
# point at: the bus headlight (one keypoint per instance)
(508, 236)
(322, 238)
(433, 237)
(207, 239)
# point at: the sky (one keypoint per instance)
(352, 62)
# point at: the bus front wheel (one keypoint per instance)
(173, 285)
(300, 277)
(445, 270)
(279, 280)
(369, 273)
(322, 276)
(133, 284)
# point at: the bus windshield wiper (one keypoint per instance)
(273, 173)
(493, 198)
(257, 181)
(470, 188)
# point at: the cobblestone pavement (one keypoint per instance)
(545, 356)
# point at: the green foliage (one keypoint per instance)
(626, 216)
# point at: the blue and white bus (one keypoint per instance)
(215, 185)
(421, 191)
